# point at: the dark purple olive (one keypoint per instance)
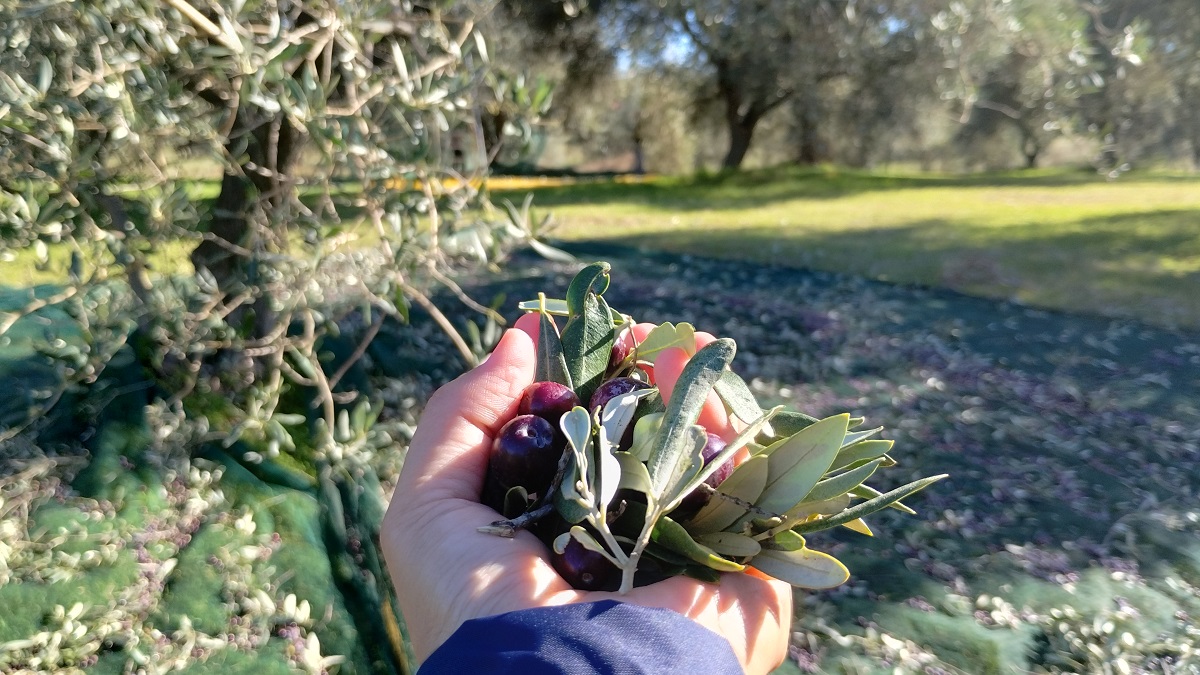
(618, 386)
(585, 570)
(698, 498)
(525, 453)
(620, 351)
(548, 400)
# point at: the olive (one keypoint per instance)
(584, 569)
(525, 452)
(698, 498)
(548, 400)
(618, 386)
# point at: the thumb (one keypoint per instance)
(449, 452)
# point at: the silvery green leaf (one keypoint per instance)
(633, 474)
(549, 252)
(560, 542)
(591, 280)
(516, 500)
(857, 436)
(619, 410)
(868, 492)
(644, 431)
(672, 535)
(805, 509)
(842, 483)
(551, 362)
(576, 425)
(852, 456)
(789, 423)
(554, 306)
(569, 501)
(671, 444)
(665, 336)
(786, 541)
(802, 568)
(725, 455)
(795, 465)
(587, 342)
(608, 473)
(730, 544)
(738, 398)
(587, 541)
(868, 507)
(745, 484)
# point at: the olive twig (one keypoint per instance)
(508, 528)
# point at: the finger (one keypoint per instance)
(449, 452)
(530, 324)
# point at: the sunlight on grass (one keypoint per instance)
(1060, 240)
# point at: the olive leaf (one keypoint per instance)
(633, 474)
(803, 568)
(671, 444)
(551, 361)
(842, 483)
(551, 306)
(786, 541)
(857, 454)
(856, 436)
(672, 535)
(587, 341)
(868, 507)
(730, 544)
(615, 417)
(516, 500)
(591, 280)
(795, 465)
(644, 431)
(575, 500)
(744, 485)
(868, 492)
(738, 398)
(665, 336)
(789, 423)
(725, 455)
(608, 472)
(859, 526)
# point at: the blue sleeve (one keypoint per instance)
(606, 637)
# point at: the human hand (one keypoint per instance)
(446, 573)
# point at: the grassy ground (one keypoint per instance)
(1064, 240)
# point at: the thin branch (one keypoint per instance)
(358, 352)
(202, 22)
(11, 318)
(442, 321)
(466, 299)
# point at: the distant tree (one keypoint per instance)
(1148, 54)
(1017, 64)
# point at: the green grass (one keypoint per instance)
(1054, 239)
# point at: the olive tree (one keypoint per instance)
(330, 131)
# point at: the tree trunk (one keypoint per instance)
(741, 133)
(229, 253)
(1031, 149)
(809, 149)
(740, 118)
